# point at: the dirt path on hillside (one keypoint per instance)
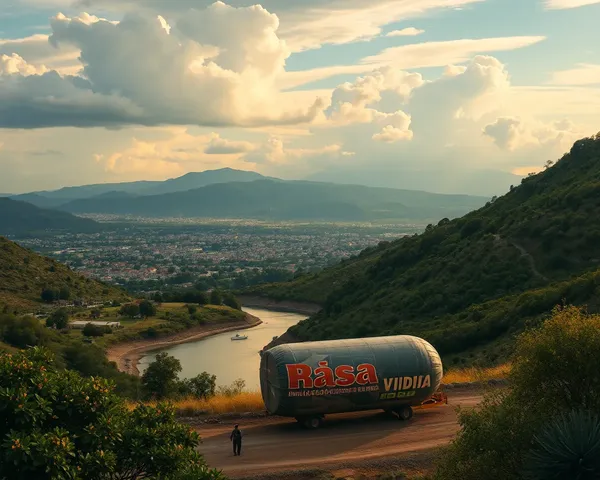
(127, 355)
(525, 254)
(281, 445)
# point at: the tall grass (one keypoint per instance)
(474, 374)
(219, 404)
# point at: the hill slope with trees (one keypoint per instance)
(25, 275)
(469, 284)
(17, 217)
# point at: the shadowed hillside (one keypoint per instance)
(468, 284)
(24, 274)
(17, 217)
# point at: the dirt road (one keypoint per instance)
(277, 445)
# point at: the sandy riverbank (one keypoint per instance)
(127, 355)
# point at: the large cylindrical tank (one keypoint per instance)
(336, 376)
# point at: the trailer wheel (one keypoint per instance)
(405, 413)
(312, 423)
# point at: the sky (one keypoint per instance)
(441, 95)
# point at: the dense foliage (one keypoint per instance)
(57, 425)
(555, 389)
(70, 352)
(25, 275)
(161, 380)
(469, 284)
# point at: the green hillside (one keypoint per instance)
(24, 274)
(469, 284)
(17, 217)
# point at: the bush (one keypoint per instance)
(59, 425)
(21, 332)
(201, 386)
(160, 378)
(215, 297)
(230, 301)
(147, 309)
(234, 389)
(91, 330)
(130, 310)
(58, 319)
(554, 372)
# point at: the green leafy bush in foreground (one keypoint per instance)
(58, 425)
(554, 374)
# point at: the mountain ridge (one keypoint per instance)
(286, 200)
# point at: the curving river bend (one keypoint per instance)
(227, 359)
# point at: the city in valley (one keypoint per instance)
(146, 255)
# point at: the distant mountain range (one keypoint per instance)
(285, 200)
(17, 218)
(229, 193)
(55, 198)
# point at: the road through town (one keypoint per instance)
(279, 444)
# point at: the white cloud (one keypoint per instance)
(434, 54)
(221, 146)
(218, 69)
(391, 134)
(37, 51)
(565, 4)
(307, 24)
(275, 152)
(584, 74)
(512, 133)
(405, 32)
(15, 65)
(178, 152)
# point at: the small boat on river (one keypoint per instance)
(239, 337)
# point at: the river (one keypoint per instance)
(227, 359)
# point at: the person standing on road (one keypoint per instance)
(236, 438)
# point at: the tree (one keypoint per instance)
(22, 332)
(192, 309)
(64, 293)
(201, 386)
(160, 378)
(215, 297)
(59, 425)
(230, 300)
(49, 295)
(147, 309)
(130, 310)
(58, 319)
(91, 330)
(554, 372)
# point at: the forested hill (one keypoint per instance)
(473, 281)
(24, 274)
(17, 217)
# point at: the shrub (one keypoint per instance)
(58, 319)
(554, 372)
(91, 330)
(59, 425)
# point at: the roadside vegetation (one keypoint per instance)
(546, 425)
(56, 424)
